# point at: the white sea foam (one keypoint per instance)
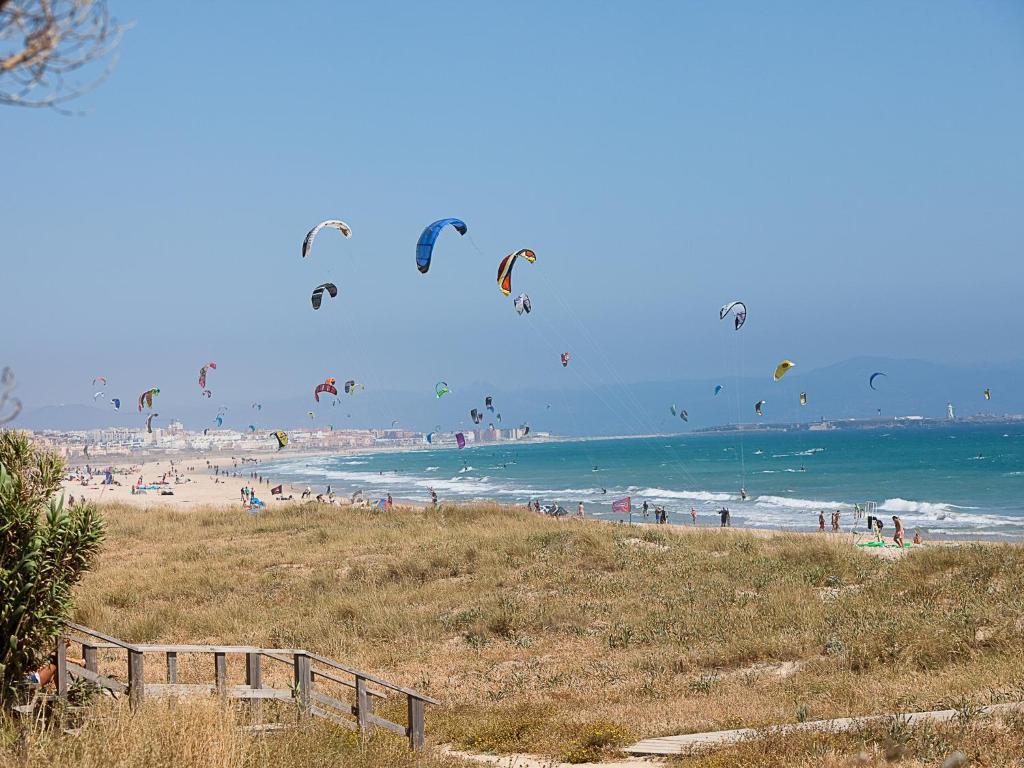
(788, 503)
(935, 510)
(662, 493)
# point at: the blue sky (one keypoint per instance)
(852, 170)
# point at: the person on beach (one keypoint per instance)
(897, 536)
(724, 513)
(45, 674)
(917, 537)
(579, 511)
(821, 521)
(693, 515)
(433, 498)
(645, 507)
(390, 503)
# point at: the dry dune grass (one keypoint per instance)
(567, 639)
(203, 734)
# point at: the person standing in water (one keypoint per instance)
(693, 515)
(821, 521)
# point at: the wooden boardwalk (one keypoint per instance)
(320, 687)
(695, 742)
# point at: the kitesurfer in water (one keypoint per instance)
(743, 493)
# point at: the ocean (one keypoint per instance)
(960, 480)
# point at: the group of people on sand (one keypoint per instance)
(835, 521)
(249, 499)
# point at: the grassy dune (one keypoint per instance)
(567, 639)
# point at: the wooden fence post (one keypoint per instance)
(89, 654)
(136, 677)
(172, 667)
(62, 667)
(253, 674)
(303, 680)
(417, 734)
(254, 679)
(364, 707)
(220, 671)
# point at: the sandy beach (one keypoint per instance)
(183, 481)
(197, 481)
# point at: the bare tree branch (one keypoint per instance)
(11, 411)
(44, 42)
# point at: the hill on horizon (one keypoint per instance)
(839, 391)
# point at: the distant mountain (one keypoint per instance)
(840, 391)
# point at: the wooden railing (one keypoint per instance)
(306, 669)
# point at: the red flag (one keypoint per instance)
(275, 490)
(622, 506)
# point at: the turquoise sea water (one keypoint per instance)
(961, 480)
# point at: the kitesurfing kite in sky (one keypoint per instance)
(147, 397)
(425, 245)
(307, 243)
(441, 389)
(522, 304)
(739, 310)
(327, 386)
(871, 380)
(505, 268)
(318, 293)
(202, 374)
(282, 438)
(781, 368)
(565, 359)
(757, 407)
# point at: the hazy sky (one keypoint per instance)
(854, 171)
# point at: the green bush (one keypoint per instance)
(45, 549)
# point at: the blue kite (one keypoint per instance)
(425, 245)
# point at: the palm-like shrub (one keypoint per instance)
(45, 549)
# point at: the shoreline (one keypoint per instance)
(201, 485)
